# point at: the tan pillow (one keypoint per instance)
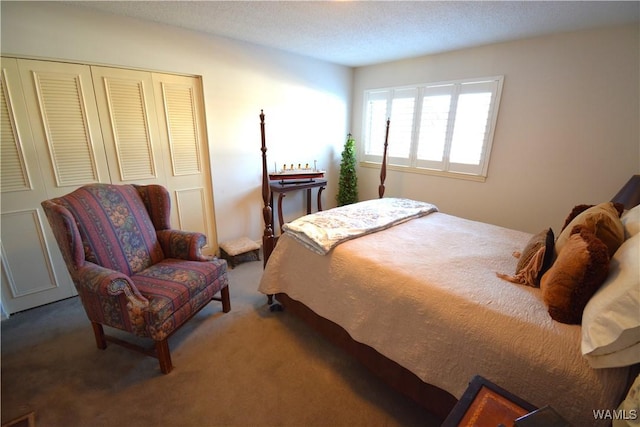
(603, 220)
(580, 269)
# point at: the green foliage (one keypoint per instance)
(348, 184)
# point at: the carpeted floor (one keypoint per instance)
(249, 367)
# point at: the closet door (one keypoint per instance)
(129, 123)
(50, 146)
(180, 108)
(64, 121)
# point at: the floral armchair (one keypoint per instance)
(131, 270)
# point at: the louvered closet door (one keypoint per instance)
(180, 108)
(126, 108)
(48, 148)
(65, 125)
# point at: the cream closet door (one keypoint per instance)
(126, 108)
(51, 144)
(180, 113)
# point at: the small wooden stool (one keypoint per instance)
(239, 250)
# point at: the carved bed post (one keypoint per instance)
(383, 169)
(268, 239)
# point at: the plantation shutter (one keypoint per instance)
(403, 104)
(473, 127)
(377, 112)
(435, 129)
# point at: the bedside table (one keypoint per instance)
(486, 404)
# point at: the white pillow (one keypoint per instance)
(631, 222)
(611, 318)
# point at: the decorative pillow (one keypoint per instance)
(611, 319)
(534, 261)
(580, 269)
(631, 222)
(629, 407)
(603, 220)
(578, 209)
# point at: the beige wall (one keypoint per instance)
(567, 131)
(307, 102)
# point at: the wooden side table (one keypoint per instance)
(486, 404)
(283, 187)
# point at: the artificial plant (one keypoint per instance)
(348, 184)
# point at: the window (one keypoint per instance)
(445, 127)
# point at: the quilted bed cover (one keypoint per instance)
(425, 294)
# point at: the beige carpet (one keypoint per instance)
(250, 367)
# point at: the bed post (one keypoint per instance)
(268, 239)
(383, 169)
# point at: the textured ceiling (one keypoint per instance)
(357, 33)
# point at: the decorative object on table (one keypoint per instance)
(296, 175)
(348, 184)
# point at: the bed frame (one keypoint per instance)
(433, 399)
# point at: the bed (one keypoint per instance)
(422, 300)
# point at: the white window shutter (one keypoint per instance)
(401, 131)
(377, 113)
(473, 129)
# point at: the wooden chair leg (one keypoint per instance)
(98, 332)
(164, 356)
(226, 301)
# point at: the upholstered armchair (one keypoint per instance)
(131, 270)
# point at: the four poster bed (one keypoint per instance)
(417, 299)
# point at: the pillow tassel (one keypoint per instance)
(529, 273)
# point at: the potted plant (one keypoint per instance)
(348, 184)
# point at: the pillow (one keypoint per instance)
(535, 260)
(578, 209)
(611, 319)
(631, 222)
(629, 407)
(603, 220)
(580, 269)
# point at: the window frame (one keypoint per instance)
(411, 163)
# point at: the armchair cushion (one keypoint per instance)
(172, 283)
(115, 226)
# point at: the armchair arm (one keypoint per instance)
(110, 297)
(185, 245)
(103, 282)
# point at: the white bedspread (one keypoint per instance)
(425, 294)
(322, 231)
